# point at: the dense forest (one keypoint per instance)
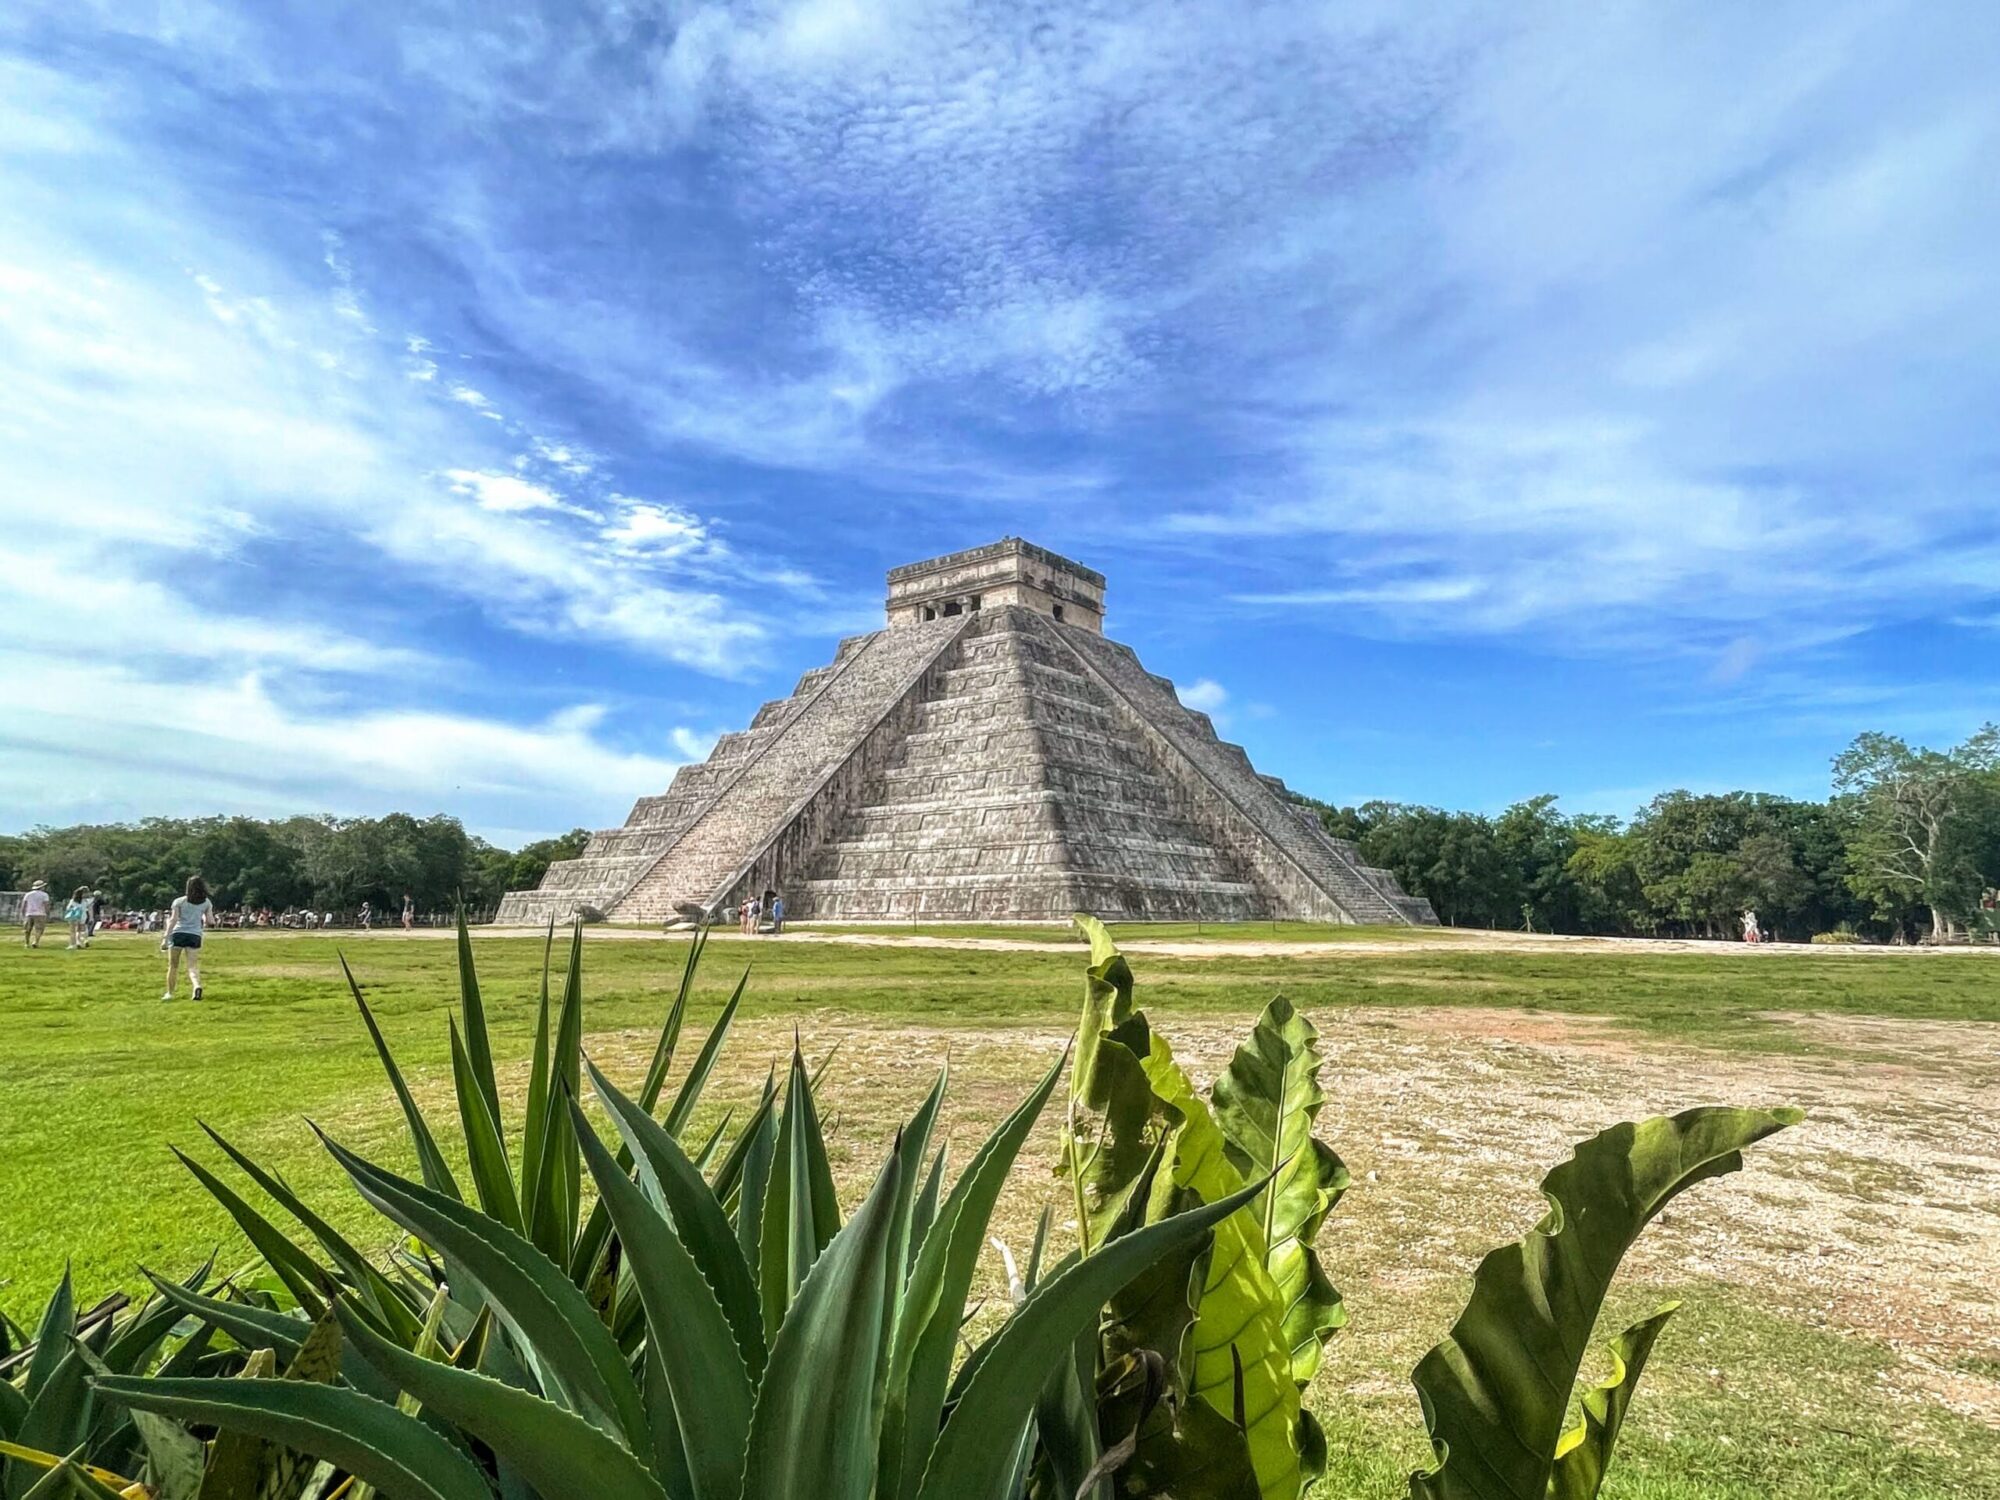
(1906, 847)
(314, 863)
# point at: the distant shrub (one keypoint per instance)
(1841, 934)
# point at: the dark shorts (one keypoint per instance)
(184, 939)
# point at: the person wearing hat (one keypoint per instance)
(35, 914)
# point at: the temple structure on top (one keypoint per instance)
(990, 756)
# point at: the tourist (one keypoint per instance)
(35, 914)
(756, 915)
(777, 913)
(1751, 932)
(77, 914)
(409, 912)
(186, 919)
(96, 915)
(367, 917)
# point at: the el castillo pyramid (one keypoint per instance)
(989, 756)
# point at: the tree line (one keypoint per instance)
(310, 863)
(1906, 847)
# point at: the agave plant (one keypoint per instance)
(780, 1353)
(536, 1191)
(715, 1328)
(53, 1429)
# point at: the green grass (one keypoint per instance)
(1737, 1404)
(100, 1075)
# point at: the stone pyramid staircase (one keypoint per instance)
(987, 765)
(1020, 792)
(710, 819)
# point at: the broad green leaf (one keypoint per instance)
(555, 1451)
(368, 1438)
(934, 1296)
(1107, 1005)
(1066, 1422)
(1240, 1310)
(1266, 1104)
(60, 1475)
(1584, 1452)
(687, 1332)
(539, 1305)
(69, 1478)
(676, 1187)
(967, 1463)
(486, 1152)
(58, 1419)
(437, 1176)
(814, 1433)
(1110, 1135)
(1495, 1390)
(924, 1213)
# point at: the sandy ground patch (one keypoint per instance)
(1879, 1216)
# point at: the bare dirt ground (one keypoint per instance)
(1880, 1216)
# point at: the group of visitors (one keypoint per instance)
(753, 911)
(83, 913)
(181, 924)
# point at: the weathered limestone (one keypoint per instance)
(989, 756)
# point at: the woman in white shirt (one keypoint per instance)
(186, 919)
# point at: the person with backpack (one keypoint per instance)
(77, 914)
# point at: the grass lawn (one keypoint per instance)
(1439, 1087)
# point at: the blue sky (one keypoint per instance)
(478, 408)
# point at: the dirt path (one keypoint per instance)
(1459, 940)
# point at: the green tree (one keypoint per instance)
(1924, 822)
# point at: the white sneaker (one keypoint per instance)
(167, 995)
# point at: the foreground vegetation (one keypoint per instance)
(285, 1010)
(710, 1328)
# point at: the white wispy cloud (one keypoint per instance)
(96, 741)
